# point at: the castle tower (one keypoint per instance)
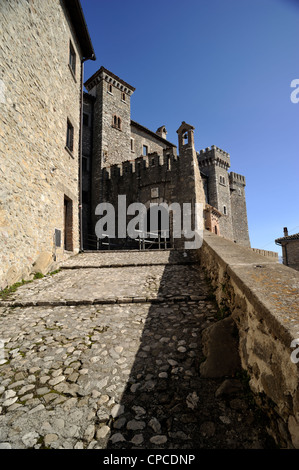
(190, 186)
(239, 212)
(112, 125)
(215, 163)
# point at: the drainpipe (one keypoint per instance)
(93, 57)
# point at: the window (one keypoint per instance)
(144, 150)
(110, 88)
(116, 122)
(85, 119)
(132, 144)
(123, 96)
(68, 224)
(224, 210)
(168, 162)
(240, 192)
(72, 59)
(70, 136)
(153, 162)
(222, 180)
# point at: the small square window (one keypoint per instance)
(72, 59)
(85, 119)
(70, 136)
(144, 150)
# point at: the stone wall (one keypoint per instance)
(111, 127)
(238, 208)
(262, 297)
(141, 137)
(291, 253)
(39, 94)
(215, 162)
(88, 101)
(267, 253)
(157, 179)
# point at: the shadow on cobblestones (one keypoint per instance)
(120, 372)
(166, 404)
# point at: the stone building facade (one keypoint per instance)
(127, 158)
(41, 49)
(290, 249)
(226, 192)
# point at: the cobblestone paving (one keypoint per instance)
(117, 375)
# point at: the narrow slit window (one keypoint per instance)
(72, 59)
(70, 136)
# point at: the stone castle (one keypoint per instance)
(63, 150)
(121, 156)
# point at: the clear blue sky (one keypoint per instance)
(224, 66)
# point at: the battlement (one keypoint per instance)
(207, 151)
(213, 155)
(236, 179)
(153, 162)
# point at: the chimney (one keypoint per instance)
(285, 231)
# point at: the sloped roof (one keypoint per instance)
(153, 134)
(77, 17)
(295, 236)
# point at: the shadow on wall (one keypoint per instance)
(166, 403)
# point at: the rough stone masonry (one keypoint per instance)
(117, 364)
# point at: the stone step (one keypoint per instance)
(103, 301)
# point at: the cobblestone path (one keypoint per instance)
(106, 354)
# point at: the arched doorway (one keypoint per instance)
(157, 233)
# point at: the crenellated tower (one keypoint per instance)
(214, 163)
(239, 211)
(111, 126)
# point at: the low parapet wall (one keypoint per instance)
(269, 254)
(262, 297)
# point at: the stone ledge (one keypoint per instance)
(263, 299)
(271, 287)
